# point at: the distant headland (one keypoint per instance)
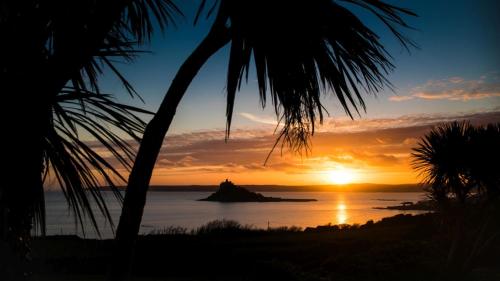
(423, 205)
(229, 192)
(353, 187)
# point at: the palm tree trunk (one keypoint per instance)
(456, 251)
(21, 186)
(22, 183)
(138, 182)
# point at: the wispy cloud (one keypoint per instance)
(259, 119)
(347, 125)
(400, 98)
(376, 144)
(373, 147)
(455, 89)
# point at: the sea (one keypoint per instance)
(170, 209)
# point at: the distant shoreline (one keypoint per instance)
(263, 200)
(297, 188)
(423, 205)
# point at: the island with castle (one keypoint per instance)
(229, 192)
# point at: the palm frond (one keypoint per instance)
(70, 44)
(140, 15)
(484, 159)
(202, 8)
(82, 35)
(78, 41)
(79, 169)
(442, 158)
(302, 49)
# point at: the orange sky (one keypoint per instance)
(371, 150)
(453, 75)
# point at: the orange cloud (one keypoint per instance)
(377, 150)
(455, 89)
(456, 94)
(400, 98)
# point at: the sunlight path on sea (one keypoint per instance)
(341, 211)
(181, 209)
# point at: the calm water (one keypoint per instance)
(165, 209)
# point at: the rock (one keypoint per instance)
(229, 192)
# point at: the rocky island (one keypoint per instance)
(229, 192)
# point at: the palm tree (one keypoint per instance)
(454, 159)
(49, 72)
(300, 49)
(484, 159)
(443, 159)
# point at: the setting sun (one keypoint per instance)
(340, 176)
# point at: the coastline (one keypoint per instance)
(422, 205)
(403, 246)
(359, 187)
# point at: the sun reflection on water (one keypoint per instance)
(341, 212)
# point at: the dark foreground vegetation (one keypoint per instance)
(403, 247)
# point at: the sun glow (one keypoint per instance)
(341, 213)
(340, 176)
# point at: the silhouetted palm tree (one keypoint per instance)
(456, 159)
(300, 49)
(484, 159)
(443, 159)
(51, 57)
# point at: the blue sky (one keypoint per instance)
(456, 39)
(454, 74)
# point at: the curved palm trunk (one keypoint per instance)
(138, 182)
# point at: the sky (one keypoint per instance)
(454, 74)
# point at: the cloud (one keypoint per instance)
(400, 98)
(457, 94)
(410, 141)
(455, 89)
(379, 145)
(382, 142)
(378, 159)
(347, 125)
(456, 80)
(259, 119)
